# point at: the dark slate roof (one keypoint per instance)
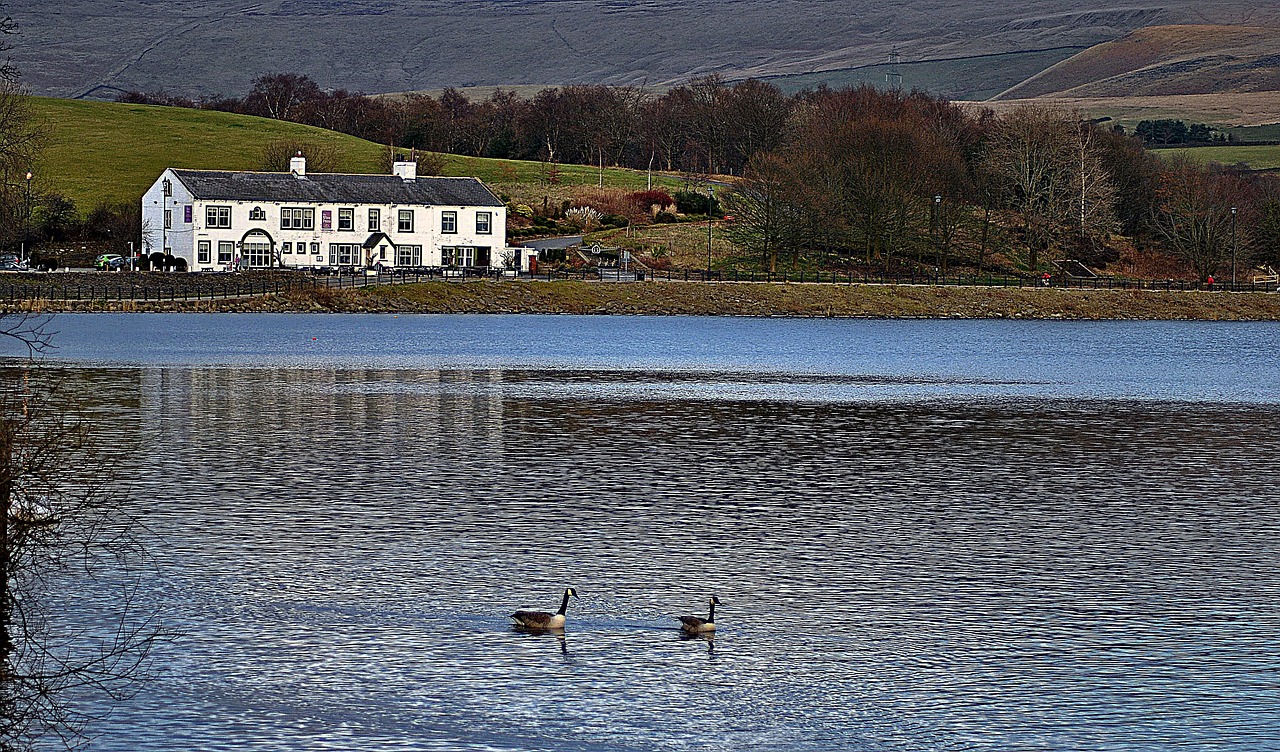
(329, 188)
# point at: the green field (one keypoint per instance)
(109, 152)
(1256, 157)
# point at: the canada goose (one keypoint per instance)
(694, 625)
(542, 619)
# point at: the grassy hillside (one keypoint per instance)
(105, 151)
(1164, 60)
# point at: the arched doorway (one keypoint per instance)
(257, 250)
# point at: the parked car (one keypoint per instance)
(110, 262)
(11, 263)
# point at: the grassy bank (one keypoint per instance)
(731, 299)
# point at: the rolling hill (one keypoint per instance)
(1164, 61)
(108, 152)
(96, 48)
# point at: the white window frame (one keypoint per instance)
(449, 223)
(404, 220)
(217, 217)
(204, 251)
(297, 218)
(226, 251)
(257, 214)
(344, 254)
(408, 255)
(375, 220)
(347, 220)
(488, 223)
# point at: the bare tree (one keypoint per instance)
(321, 157)
(1031, 151)
(281, 95)
(763, 204)
(1193, 216)
(62, 532)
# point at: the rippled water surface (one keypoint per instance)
(925, 535)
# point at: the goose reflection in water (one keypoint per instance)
(707, 637)
(535, 634)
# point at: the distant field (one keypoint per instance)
(1257, 157)
(1234, 109)
(104, 151)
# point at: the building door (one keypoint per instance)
(482, 256)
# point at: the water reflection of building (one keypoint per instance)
(373, 414)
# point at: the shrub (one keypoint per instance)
(692, 202)
(582, 218)
(614, 220)
(522, 210)
(664, 217)
(656, 197)
(604, 200)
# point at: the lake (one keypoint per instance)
(956, 535)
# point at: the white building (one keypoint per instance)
(215, 219)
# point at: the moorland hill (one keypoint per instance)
(97, 48)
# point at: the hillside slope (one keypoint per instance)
(99, 47)
(1165, 61)
(108, 152)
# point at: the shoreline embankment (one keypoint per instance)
(799, 300)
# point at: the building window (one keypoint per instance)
(344, 254)
(226, 249)
(346, 220)
(203, 250)
(217, 217)
(408, 255)
(257, 214)
(375, 220)
(287, 247)
(449, 222)
(406, 220)
(315, 248)
(457, 256)
(168, 187)
(168, 219)
(297, 219)
(483, 222)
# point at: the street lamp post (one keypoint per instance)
(933, 229)
(711, 198)
(26, 224)
(1233, 248)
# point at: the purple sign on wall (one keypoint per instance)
(186, 214)
(326, 219)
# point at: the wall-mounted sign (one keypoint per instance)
(186, 214)
(326, 220)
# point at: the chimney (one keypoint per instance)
(298, 165)
(405, 170)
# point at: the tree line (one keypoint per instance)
(708, 125)
(894, 180)
(859, 175)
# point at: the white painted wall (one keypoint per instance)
(182, 237)
(156, 237)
